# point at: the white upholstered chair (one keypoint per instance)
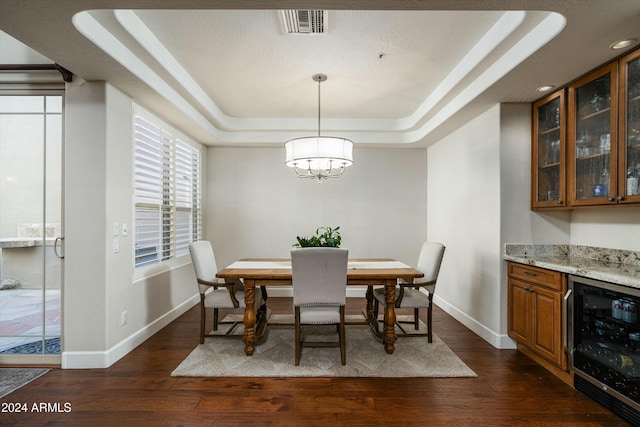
(319, 293)
(215, 293)
(409, 295)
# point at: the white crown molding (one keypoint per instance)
(255, 130)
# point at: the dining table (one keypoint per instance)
(370, 272)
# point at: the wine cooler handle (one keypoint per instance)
(566, 320)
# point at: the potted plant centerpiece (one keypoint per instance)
(330, 237)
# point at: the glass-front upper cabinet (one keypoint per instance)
(592, 165)
(629, 151)
(548, 152)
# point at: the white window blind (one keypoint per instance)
(187, 185)
(166, 193)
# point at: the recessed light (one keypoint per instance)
(544, 88)
(622, 44)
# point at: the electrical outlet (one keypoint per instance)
(125, 229)
(124, 318)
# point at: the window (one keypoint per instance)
(166, 191)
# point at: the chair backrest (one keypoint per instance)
(429, 263)
(204, 262)
(319, 276)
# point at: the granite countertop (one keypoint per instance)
(16, 242)
(608, 265)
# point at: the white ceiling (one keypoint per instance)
(231, 76)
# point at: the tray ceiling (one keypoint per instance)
(396, 77)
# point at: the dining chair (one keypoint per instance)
(319, 277)
(216, 293)
(410, 295)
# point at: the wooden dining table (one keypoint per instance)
(265, 272)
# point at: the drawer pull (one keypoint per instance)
(530, 273)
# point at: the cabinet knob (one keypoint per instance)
(620, 198)
(559, 201)
(611, 199)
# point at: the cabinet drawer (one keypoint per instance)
(540, 276)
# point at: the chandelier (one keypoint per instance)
(319, 157)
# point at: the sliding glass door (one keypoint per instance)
(31, 245)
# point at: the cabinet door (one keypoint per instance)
(548, 152)
(629, 147)
(592, 125)
(519, 316)
(546, 338)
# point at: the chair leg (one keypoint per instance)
(202, 318)
(215, 319)
(298, 349)
(343, 349)
(416, 318)
(429, 318)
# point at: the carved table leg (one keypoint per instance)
(369, 296)
(390, 317)
(249, 320)
(369, 314)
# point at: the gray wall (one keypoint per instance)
(257, 206)
(99, 285)
(470, 191)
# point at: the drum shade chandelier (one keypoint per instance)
(319, 157)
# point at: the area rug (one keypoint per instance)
(51, 346)
(366, 357)
(12, 379)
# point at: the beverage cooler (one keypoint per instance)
(604, 340)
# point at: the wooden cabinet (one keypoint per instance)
(629, 129)
(548, 152)
(593, 157)
(535, 311)
(592, 131)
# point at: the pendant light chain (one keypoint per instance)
(319, 80)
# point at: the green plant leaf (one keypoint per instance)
(330, 237)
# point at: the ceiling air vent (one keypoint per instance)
(304, 21)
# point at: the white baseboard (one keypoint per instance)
(500, 341)
(104, 359)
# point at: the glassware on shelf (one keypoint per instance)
(605, 142)
(630, 68)
(581, 148)
(632, 179)
(555, 151)
(548, 139)
(593, 115)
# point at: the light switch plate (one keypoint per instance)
(116, 246)
(116, 229)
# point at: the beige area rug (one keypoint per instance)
(12, 379)
(366, 357)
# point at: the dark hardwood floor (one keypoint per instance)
(138, 390)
